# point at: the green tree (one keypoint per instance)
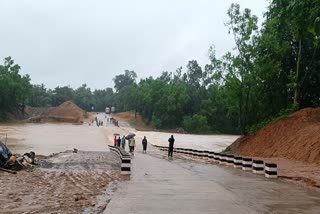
(123, 80)
(14, 88)
(39, 97)
(62, 94)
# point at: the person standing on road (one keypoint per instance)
(123, 142)
(170, 150)
(115, 141)
(119, 141)
(144, 144)
(132, 145)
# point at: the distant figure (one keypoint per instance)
(171, 142)
(129, 145)
(144, 144)
(119, 141)
(132, 145)
(115, 141)
(123, 142)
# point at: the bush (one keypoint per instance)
(281, 115)
(156, 121)
(196, 124)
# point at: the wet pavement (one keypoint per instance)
(160, 186)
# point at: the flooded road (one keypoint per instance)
(49, 138)
(215, 143)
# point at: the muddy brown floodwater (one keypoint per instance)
(64, 182)
(49, 138)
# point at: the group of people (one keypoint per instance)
(121, 142)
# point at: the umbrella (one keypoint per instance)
(115, 134)
(129, 136)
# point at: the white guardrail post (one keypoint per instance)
(270, 170)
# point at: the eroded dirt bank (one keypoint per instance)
(293, 143)
(66, 182)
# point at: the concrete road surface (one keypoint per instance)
(161, 186)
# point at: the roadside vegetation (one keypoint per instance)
(271, 72)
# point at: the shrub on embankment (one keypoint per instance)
(295, 137)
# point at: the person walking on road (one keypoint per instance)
(132, 145)
(123, 142)
(170, 150)
(144, 144)
(119, 141)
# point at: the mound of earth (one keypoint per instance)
(66, 112)
(296, 137)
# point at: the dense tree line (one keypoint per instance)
(86, 99)
(271, 72)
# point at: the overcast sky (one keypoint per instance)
(70, 42)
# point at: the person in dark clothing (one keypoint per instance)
(144, 144)
(119, 141)
(170, 150)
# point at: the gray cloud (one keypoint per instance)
(80, 41)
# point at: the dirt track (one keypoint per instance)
(65, 183)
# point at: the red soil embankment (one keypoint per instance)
(296, 137)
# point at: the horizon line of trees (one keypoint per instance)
(270, 73)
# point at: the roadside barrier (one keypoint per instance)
(230, 160)
(237, 163)
(216, 157)
(194, 153)
(223, 159)
(246, 164)
(258, 167)
(270, 170)
(205, 155)
(211, 156)
(125, 159)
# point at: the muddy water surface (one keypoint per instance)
(203, 142)
(49, 138)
